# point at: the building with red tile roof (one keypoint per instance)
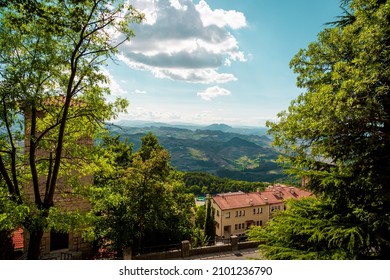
(18, 239)
(236, 212)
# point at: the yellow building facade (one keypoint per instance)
(236, 212)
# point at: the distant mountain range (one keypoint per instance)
(219, 149)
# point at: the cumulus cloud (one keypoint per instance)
(213, 92)
(183, 41)
(177, 5)
(219, 17)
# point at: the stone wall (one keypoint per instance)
(187, 251)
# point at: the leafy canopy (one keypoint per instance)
(52, 99)
(138, 201)
(336, 135)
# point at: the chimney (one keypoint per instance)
(292, 191)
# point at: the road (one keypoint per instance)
(248, 254)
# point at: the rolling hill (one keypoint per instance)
(217, 149)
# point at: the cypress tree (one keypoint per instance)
(209, 226)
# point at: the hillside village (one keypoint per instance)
(234, 213)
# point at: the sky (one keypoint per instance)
(215, 61)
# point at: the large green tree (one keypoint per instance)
(52, 96)
(336, 134)
(138, 200)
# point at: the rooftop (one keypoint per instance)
(272, 195)
(17, 239)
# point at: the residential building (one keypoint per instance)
(236, 212)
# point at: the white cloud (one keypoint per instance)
(177, 5)
(213, 92)
(205, 117)
(113, 85)
(147, 114)
(176, 43)
(220, 17)
(198, 75)
(138, 91)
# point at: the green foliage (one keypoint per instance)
(336, 134)
(52, 101)
(313, 229)
(199, 238)
(12, 214)
(200, 216)
(213, 185)
(137, 200)
(209, 223)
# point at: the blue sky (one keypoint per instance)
(215, 61)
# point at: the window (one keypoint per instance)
(227, 215)
(240, 213)
(236, 226)
(257, 211)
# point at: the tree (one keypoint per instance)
(209, 224)
(311, 229)
(140, 201)
(51, 95)
(337, 133)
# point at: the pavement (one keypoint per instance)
(247, 254)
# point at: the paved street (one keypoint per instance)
(248, 254)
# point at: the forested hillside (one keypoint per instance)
(200, 183)
(245, 156)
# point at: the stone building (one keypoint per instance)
(58, 244)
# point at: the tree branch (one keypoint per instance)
(32, 151)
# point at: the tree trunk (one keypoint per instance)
(34, 246)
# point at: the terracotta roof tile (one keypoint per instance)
(238, 200)
(18, 239)
(272, 195)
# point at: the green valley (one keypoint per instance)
(236, 153)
